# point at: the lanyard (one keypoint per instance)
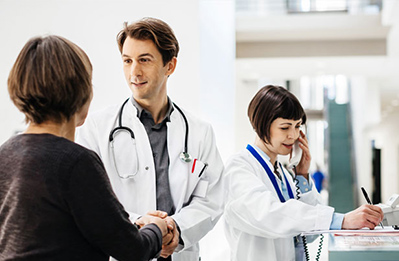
(271, 175)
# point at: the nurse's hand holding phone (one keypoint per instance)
(302, 167)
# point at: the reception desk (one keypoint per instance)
(368, 247)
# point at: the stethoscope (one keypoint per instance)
(184, 155)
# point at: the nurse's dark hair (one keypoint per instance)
(50, 79)
(155, 30)
(272, 102)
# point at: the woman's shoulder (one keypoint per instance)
(79, 159)
(241, 158)
(63, 149)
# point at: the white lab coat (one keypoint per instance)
(257, 225)
(198, 201)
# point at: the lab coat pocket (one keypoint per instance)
(196, 176)
(188, 254)
(201, 188)
(124, 154)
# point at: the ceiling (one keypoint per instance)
(285, 46)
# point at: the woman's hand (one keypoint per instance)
(304, 164)
(149, 219)
(364, 216)
(170, 236)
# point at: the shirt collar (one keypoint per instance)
(275, 167)
(141, 109)
(261, 152)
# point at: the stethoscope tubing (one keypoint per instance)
(186, 123)
(121, 127)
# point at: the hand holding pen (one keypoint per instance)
(366, 196)
(364, 216)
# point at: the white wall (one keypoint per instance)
(245, 90)
(217, 57)
(387, 139)
(366, 109)
(217, 102)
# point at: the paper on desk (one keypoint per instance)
(369, 242)
(378, 231)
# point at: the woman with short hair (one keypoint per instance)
(56, 199)
(265, 212)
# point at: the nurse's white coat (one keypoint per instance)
(258, 226)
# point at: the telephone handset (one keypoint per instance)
(296, 155)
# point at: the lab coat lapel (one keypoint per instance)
(181, 182)
(145, 188)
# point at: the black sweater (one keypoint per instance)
(56, 203)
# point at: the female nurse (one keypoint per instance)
(264, 210)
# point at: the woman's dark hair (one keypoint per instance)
(272, 102)
(155, 30)
(50, 79)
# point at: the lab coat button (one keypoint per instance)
(146, 168)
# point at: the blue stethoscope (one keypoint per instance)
(184, 155)
(271, 175)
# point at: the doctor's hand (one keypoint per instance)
(171, 225)
(364, 216)
(162, 215)
(304, 164)
(169, 244)
(148, 219)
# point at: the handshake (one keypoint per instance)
(170, 233)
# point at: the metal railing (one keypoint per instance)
(262, 7)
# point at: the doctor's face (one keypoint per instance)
(283, 134)
(144, 70)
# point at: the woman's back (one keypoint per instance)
(56, 202)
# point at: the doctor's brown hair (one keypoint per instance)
(272, 102)
(50, 79)
(155, 30)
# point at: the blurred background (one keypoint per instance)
(339, 57)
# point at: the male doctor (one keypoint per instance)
(141, 144)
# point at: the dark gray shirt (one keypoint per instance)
(157, 134)
(57, 204)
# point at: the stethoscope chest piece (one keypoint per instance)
(185, 157)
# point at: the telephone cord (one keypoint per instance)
(305, 245)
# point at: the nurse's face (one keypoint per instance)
(144, 70)
(283, 134)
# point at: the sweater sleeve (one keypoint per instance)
(102, 219)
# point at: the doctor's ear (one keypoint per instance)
(171, 66)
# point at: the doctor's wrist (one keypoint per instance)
(305, 175)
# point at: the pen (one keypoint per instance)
(203, 169)
(368, 200)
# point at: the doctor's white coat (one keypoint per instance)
(198, 200)
(257, 225)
